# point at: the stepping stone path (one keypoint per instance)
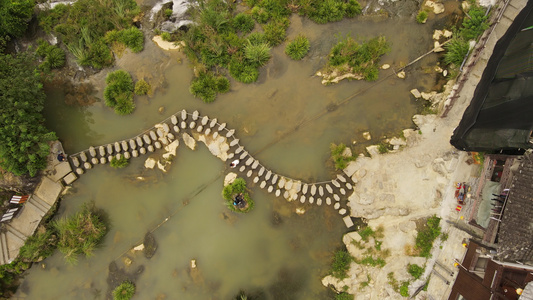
(330, 193)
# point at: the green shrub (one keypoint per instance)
(275, 31)
(207, 86)
(422, 17)
(352, 8)
(120, 163)
(341, 264)
(38, 246)
(230, 191)
(427, 235)
(415, 270)
(474, 25)
(168, 12)
(297, 48)
(260, 15)
(383, 148)
(124, 291)
(340, 161)
(80, 234)
(166, 36)
(343, 296)
(456, 50)
(119, 92)
(243, 22)
(258, 55)
(133, 38)
(404, 289)
(99, 55)
(142, 87)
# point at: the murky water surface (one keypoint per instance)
(284, 119)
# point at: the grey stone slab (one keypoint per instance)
(255, 164)
(263, 184)
(176, 129)
(70, 178)
(92, 151)
(213, 123)
(329, 189)
(139, 141)
(337, 205)
(275, 179)
(270, 189)
(195, 115)
(48, 190)
(103, 161)
(166, 128)
(242, 168)
(125, 146)
(101, 150)
(160, 132)
(319, 201)
(234, 142)
(328, 200)
(147, 139)
(288, 184)
(153, 135)
(174, 119)
(87, 165)
(134, 153)
(311, 200)
(205, 119)
(109, 149)
(256, 179)
(336, 197)
(341, 178)
(313, 190)
(249, 173)
(268, 175)
(117, 147)
(184, 115)
(302, 199)
(94, 161)
(199, 128)
(281, 182)
(336, 183)
(321, 191)
(192, 125)
(243, 155)
(348, 221)
(75, 161)
(342, 211)
(183, 125)
(278, 193)
(208, 131)
(79, 171)
(60, 170)
(221, 126)
(230, 133)
(249, 161)
(305, 188)
(261, 171)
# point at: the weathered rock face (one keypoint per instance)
(230, 177)
(150, 163)
(217, 146)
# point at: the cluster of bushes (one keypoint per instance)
(53, 57)
(88, 27)
(359, 58)
(474, 24)
(119, 92)
(341, 161)
(142, 88)
(220, 39)
(14, 16)
(238, 186)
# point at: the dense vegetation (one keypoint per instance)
(80, 234)
(427, 235)
(231, 190)
(142, 88)
(349, 56)
(119, 92)
(14, 17)
(89, 27)
(124, 291)
(474, 24)
(222, 42)
(23, 136)
(422, 17)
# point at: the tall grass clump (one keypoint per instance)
(341, 264)
(38, 246)
(243, 22)
(124, 291)
(359, 58)
(142, 87)
(119, 163)
(341, 161)
(474, 24)
(297, 48)
(80, 234)
(208, 85)
(456, 50)
(422, 17)
(258, 54)
(119, 92)
(324, 11)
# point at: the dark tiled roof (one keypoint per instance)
(515, 240)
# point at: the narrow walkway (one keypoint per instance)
(334, 192)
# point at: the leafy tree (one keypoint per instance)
(14, 16)
(23, 136)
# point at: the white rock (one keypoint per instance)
(401, 75)
(230, 177)
(416, 93)
(385, 66)
(189, 141)
(367, 136)
(300, 211)
(150, 163)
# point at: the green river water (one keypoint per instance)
(283, 120)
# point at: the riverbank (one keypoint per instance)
(397, 191)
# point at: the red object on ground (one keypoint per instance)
(458, 208)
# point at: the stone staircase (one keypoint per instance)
(4, 250)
